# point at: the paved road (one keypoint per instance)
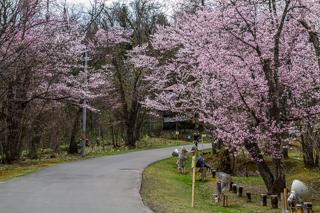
(108, 184)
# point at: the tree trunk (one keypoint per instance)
(114, 141)
(134, 123)
(317, 149)
(307, 150)
(273, 184)
(313, 37)
(33, 154)
(14, 118)
(225, 162)
(280, 179)
(73, 146)
(131, 134)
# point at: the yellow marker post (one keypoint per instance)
(193, 166)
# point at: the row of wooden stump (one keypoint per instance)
(263, 199)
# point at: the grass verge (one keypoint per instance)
(164, 190)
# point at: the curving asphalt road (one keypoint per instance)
(108, 184)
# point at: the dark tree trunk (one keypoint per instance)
(307, 150)
(280, 179)
(225, 162)
(33, 154)
(73, 146)
(285, 152)
(131, 134)
(134, 123)
(14, 132)
(313, 37)
(317, 150)
(114, 140)
(274, 184)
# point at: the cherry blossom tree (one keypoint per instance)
(40, 68)
(119, 39)
(248, 68)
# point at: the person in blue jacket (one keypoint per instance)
(202, 165)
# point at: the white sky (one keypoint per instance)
(87, 2)
(168, 4)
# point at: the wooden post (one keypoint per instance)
(240, 191)
(230, 186)
(299, 208)
(308, 206)
(285, 199)
(219, 189)
(213, 172)
(248, 197)
(193, 165)
(234, 188)
(203, 174)
(224, 200)
(263, 200)
(274, 201)
(292, 208)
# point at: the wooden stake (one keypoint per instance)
(213, 172)
(248, 197)
(308, 205)
(285, 199)
(234, 188)
(224, 200)
(299, 208)
(240, 190)
(274, 201)
(263, 200)
(193, 165)
(230, 186)
(219, 189)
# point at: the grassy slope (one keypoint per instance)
(164, 190)
(28, 166)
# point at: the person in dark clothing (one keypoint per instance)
(202, 165)
(196, 139)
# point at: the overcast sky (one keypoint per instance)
(168, 3)
(87, 2)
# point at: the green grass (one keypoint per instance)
(165, 190)
(27, 166)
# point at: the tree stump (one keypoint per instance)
(248, 197)
(263, 200)
(274, 201)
